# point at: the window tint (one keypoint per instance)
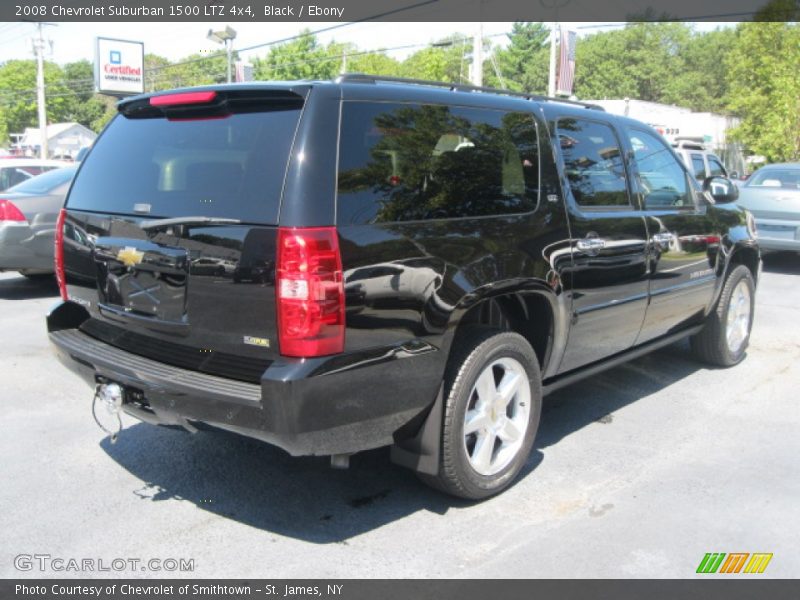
(593, 163)
(698, 167)
(662, 178)
(401, 162)
(232, 167)
(44, 183)
(716, 167)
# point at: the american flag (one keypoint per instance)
(566, 66)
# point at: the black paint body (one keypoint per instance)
(409, 287)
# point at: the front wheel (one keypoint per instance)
(724, 339)
(494, 401)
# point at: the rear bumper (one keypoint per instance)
(334, 405)
(774, 234)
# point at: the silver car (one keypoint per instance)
(28, 213)
(772, 194)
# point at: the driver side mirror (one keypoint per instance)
(721, 189)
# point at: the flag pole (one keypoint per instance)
(551, 79)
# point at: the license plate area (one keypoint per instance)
(142, 279)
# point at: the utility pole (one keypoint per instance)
(38, 47)
(477, 57)
(551, 79)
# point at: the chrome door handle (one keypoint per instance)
(590, 244)
(663, 238)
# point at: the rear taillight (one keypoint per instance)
(10, 212)
(310, 292)
(59, 255)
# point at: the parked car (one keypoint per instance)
(494, 247)
(28, 213)
(701, 162)
(772, 194)
(16, 170)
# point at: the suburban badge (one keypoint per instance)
(256, 341)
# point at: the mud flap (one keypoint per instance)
(421, 452)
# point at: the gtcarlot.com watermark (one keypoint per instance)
(45, 563)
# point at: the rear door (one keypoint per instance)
(170, 216)
(608, 241)
(683, 241)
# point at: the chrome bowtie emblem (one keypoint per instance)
(130, 256)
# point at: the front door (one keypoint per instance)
(683, 242)
(608, 280)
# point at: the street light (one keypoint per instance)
(226, 37)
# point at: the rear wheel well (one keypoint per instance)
(529, 315)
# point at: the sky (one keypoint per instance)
(75, 41)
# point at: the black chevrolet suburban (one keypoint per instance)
(390, 263)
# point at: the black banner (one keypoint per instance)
(398, 10)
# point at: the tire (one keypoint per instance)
(487, 357)
(722, 343)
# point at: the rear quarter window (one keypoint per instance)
(230, 167)
(404, 162)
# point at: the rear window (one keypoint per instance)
(777, 178)
(230, 167)
(11, 176)
(44, 183)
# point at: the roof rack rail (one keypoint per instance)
(458, 87)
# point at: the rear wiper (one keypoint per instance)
(158, 223)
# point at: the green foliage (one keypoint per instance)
(643, 61)
(524, 63)
(446, 60)
(18, 94)
(374, 64)
(765, 88)
(704, 84)
(303, 58)
(3, 128)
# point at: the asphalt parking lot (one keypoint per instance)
(636, 473)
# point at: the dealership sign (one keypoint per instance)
(119, 67)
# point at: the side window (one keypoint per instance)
(698, 167)
(716, 167)
(662, 178)
(593, 163)
(403, 162)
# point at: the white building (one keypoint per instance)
(677, 122)
(63, 139)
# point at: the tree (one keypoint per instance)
(446, 60)
(642, 61)
(157, 76)
(3, 128)
(704, 84)
(765, 88)
(83, 105)
(302, 58)
(18, 94)
(524, 63)
(195, 69)
(374, 63)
